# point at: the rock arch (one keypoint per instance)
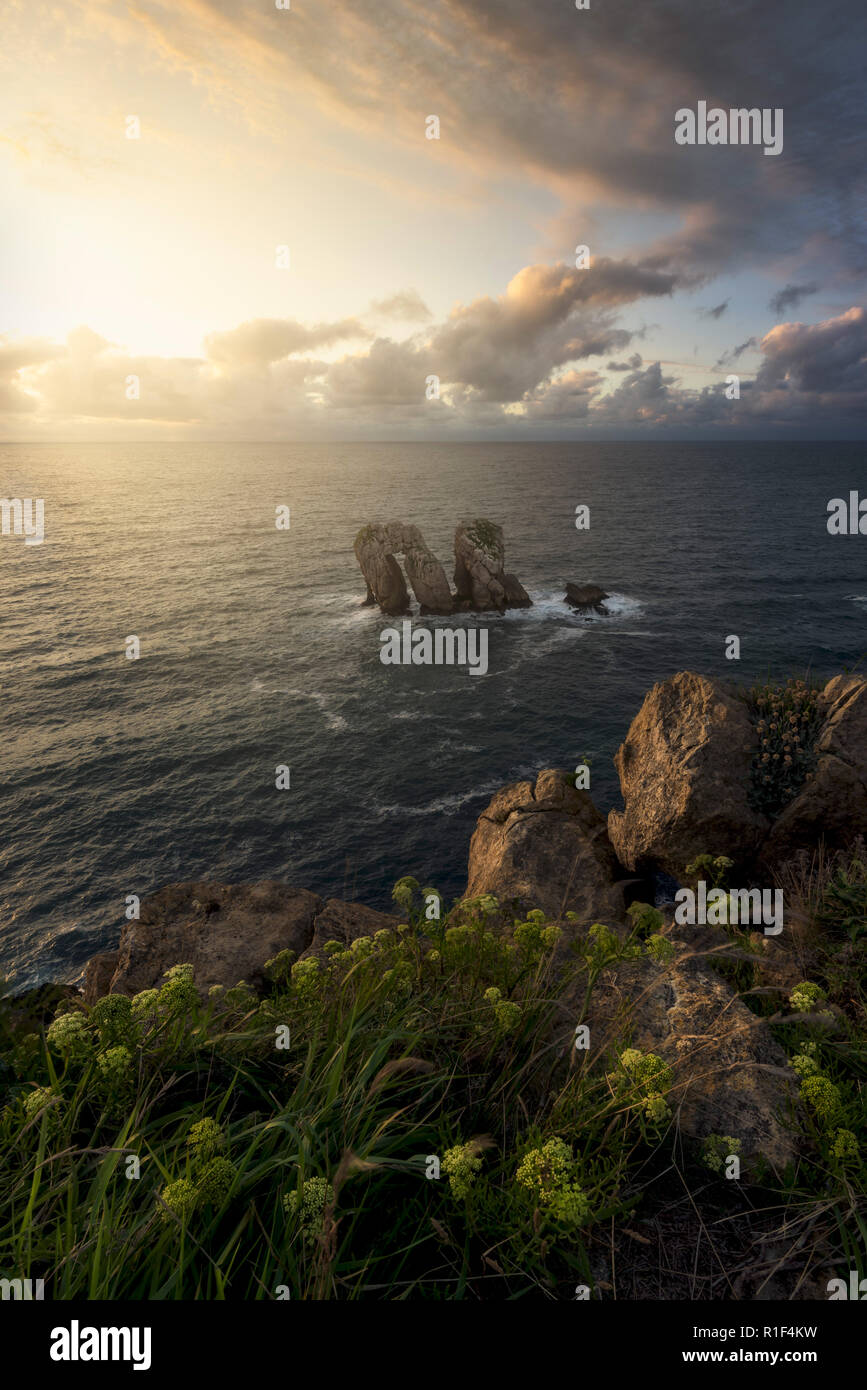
(375, 549)
(481, 582)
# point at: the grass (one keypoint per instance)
(398, 1120)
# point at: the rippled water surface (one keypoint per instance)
(120, 776)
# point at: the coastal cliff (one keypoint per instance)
(560, 1036)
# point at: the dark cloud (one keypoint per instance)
(828, 358)
(734, 353)
(715, 313)
(633, 363)
(790, 296)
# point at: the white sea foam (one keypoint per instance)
(323, 703)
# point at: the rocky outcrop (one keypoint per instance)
(545, 845)
(730, 1076)
(225, 931)
(685, 770)
(686, 778)
(586, 596)
(832, 805)
(482, 584)
(344, 922)
(480, 579)
(98, 975)
(376, 548)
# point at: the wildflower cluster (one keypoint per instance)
(210, 1178)
(845, 1147)
(69, 1035)
(822, 1098)
(463, 1164)
(178, 995)
(308, 1205)
(787, 722)
(717, 1148)
(805, 1061)
(550, 1174)
(711, 867)
(806, 996)
(650, 1077)
(604, 946)
(506, 1011)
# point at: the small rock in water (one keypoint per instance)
(586, 596)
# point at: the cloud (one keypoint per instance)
(789, 297)
(501, 75)
(259, 341)
(406, 305)
(631, 365)
(715, 313)
(734, 353)
(504, 363)
(827, 358)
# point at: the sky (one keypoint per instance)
(226, 220)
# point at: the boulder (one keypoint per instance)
(545, 845)
(731, 1077)
(685, 771)
(98, 975)
(480, 580)
(226, 932)
(832, 806)
(375, 549)
(343, 922)
(586, 596)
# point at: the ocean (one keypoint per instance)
(120, 776)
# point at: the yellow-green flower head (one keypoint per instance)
(463, 1164)
(806, 996)
(845, 1146)
(145, 1004)
(542, 1170)
(550, 1174)
(181, 1198)
(35, 1100)
(215, 1180)
(404, 891)
(362, 946)
(115, 1066)
(646, 1069)
(492, 994)
(508, 1015)
(178, 994)
(308, 1206)
(568, 1204)
(656, 1108)
(112, 1015)
(205, 1139)
(278, 967)
(660, 949)
(805, 1065)
(70, 1035)
(822, 1097)
(433, 956)
(716, 1150)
